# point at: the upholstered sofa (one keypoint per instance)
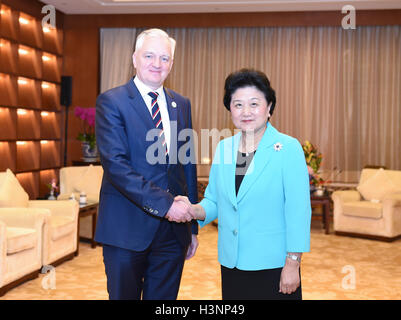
(87, 179)
(373, 210)
(59, 237)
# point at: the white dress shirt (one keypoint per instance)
(161, 101)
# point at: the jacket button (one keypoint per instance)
(235, 232)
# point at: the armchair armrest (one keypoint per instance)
(393, 199)
(346, 196)
(24, 217)
(57, 207)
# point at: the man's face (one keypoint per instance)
(153, 61)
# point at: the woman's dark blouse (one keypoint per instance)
(243, 161)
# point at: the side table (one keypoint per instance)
(88, 209)
(325, 202)
(85, 163)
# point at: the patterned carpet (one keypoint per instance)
(337, 268)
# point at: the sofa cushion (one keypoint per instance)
(61, 226)
(365, 209)
(91, 181)
(12, 195)
(19, 239)
(377, 186)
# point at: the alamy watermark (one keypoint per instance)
(185, 144)
(349, 280)
(49, 280)
(49, 20)
(349, 20)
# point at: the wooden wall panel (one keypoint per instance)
(33, 8)
(81, 61)
(248, 19)
(23, 94)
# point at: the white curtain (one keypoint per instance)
(116, 49)
(340, 89)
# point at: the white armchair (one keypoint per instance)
(374, 209)
(21, 236)
(74, 180)
(60, 231)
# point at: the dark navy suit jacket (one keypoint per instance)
(136, 194)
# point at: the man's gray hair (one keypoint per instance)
(154, 33)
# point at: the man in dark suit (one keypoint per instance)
(146, 234)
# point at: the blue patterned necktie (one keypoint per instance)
(157, 118)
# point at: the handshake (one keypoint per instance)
(182, 210)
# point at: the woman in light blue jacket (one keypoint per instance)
(259, 192)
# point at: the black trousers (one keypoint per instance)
(254, 285)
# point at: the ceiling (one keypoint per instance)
(190, 6)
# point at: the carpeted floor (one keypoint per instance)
(336, 268)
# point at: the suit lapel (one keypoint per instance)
(228, 161)
(263, 156)
(139, 104)
(171, 105)
(174, 129)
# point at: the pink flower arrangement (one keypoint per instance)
(53, 185)
(87, 115)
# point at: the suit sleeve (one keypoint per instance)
(209, 202)
(112, 143)
(190, 171)
(297, 206)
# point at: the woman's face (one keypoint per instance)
(249, 109)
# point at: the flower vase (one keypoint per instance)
(319, 191)
(51, 196)
(89, 154)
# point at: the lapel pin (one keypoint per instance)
(278, 146)
(173, 104)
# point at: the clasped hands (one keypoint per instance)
(182, 210)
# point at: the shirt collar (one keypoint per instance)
(144, 89)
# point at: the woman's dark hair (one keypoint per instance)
(248, 78)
